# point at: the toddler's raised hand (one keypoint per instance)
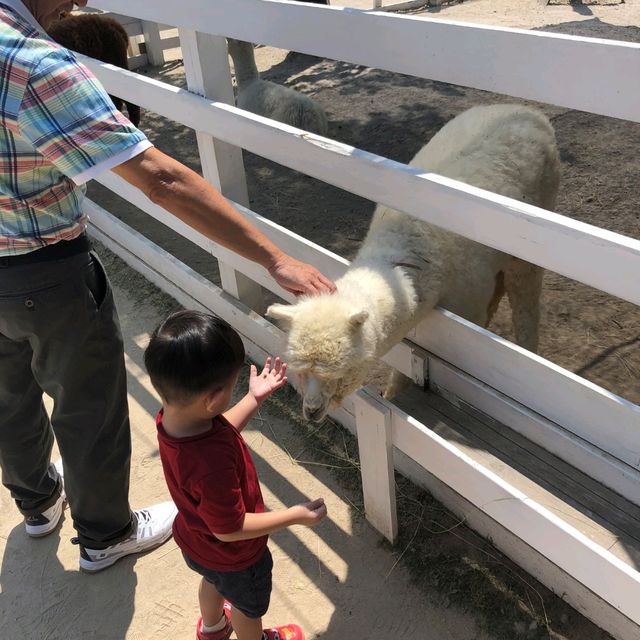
(271, 378)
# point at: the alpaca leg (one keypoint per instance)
(498, 292)
(134, 113)
(523, 283)
(117, 102)
(396, 383)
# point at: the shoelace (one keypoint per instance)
(276, 635)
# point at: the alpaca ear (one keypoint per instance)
(284, 312)
(358, 319)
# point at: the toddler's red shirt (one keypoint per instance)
(213, 482)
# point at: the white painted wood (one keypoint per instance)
(590, 411)
(194, 291)
(532, 561)
(586, 410)
(419, 366)
(208, 74)
(295, 245)
(554, 68)
(206, 64)
(153, 42)
(596, 568)
(455, 385)
(333, 266)
(373, 424)
(593, 566)
(583, 408)
(602, 259)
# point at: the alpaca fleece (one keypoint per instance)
(406, 267)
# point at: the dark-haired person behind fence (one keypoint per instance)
(59, 330)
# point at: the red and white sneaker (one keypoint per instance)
(223, 634)
(288, 632)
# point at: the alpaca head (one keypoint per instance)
(326, 349)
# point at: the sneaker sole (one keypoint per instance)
(87, 566)
(45, 529)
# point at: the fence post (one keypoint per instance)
(206, 64)
(373, 426)
(153, 42)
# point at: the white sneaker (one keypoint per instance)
(44, 523)
(153, 527)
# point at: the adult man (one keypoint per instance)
(59, 330)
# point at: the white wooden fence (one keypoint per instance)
(578, 421)
(149, 42)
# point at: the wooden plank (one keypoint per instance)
(614, 583)
(472, 395)
(602, 259)
(600, 514)
(595, 567)
(206, 64)
(153, 42)
(599, 417)
(530, 560)
(403, 356)
(373, 424)
(554, 68)
(587, 410)
(194, 291)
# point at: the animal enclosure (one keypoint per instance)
(586, 426)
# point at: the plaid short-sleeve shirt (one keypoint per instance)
(59, 129)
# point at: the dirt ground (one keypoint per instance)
(320, 579)
(337, 580)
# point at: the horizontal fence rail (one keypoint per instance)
(553, 68)
(599, 416)
(572, 551)
(603, 259)
(598, 429)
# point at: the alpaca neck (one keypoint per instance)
(244, 62)
(389, 296)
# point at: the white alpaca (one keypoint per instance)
(270, 99)
(406, 267)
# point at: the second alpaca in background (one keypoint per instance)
(269, 99)
(99, 37)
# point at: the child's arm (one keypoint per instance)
(260, 388)
(260, 524)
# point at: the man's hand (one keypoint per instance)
(300, 278)
(310, 514)
(263, 385)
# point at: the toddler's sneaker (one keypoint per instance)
(152, 527)
(42, 524)
(223, 634)
(288, 632)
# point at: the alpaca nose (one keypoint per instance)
(315, 413)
